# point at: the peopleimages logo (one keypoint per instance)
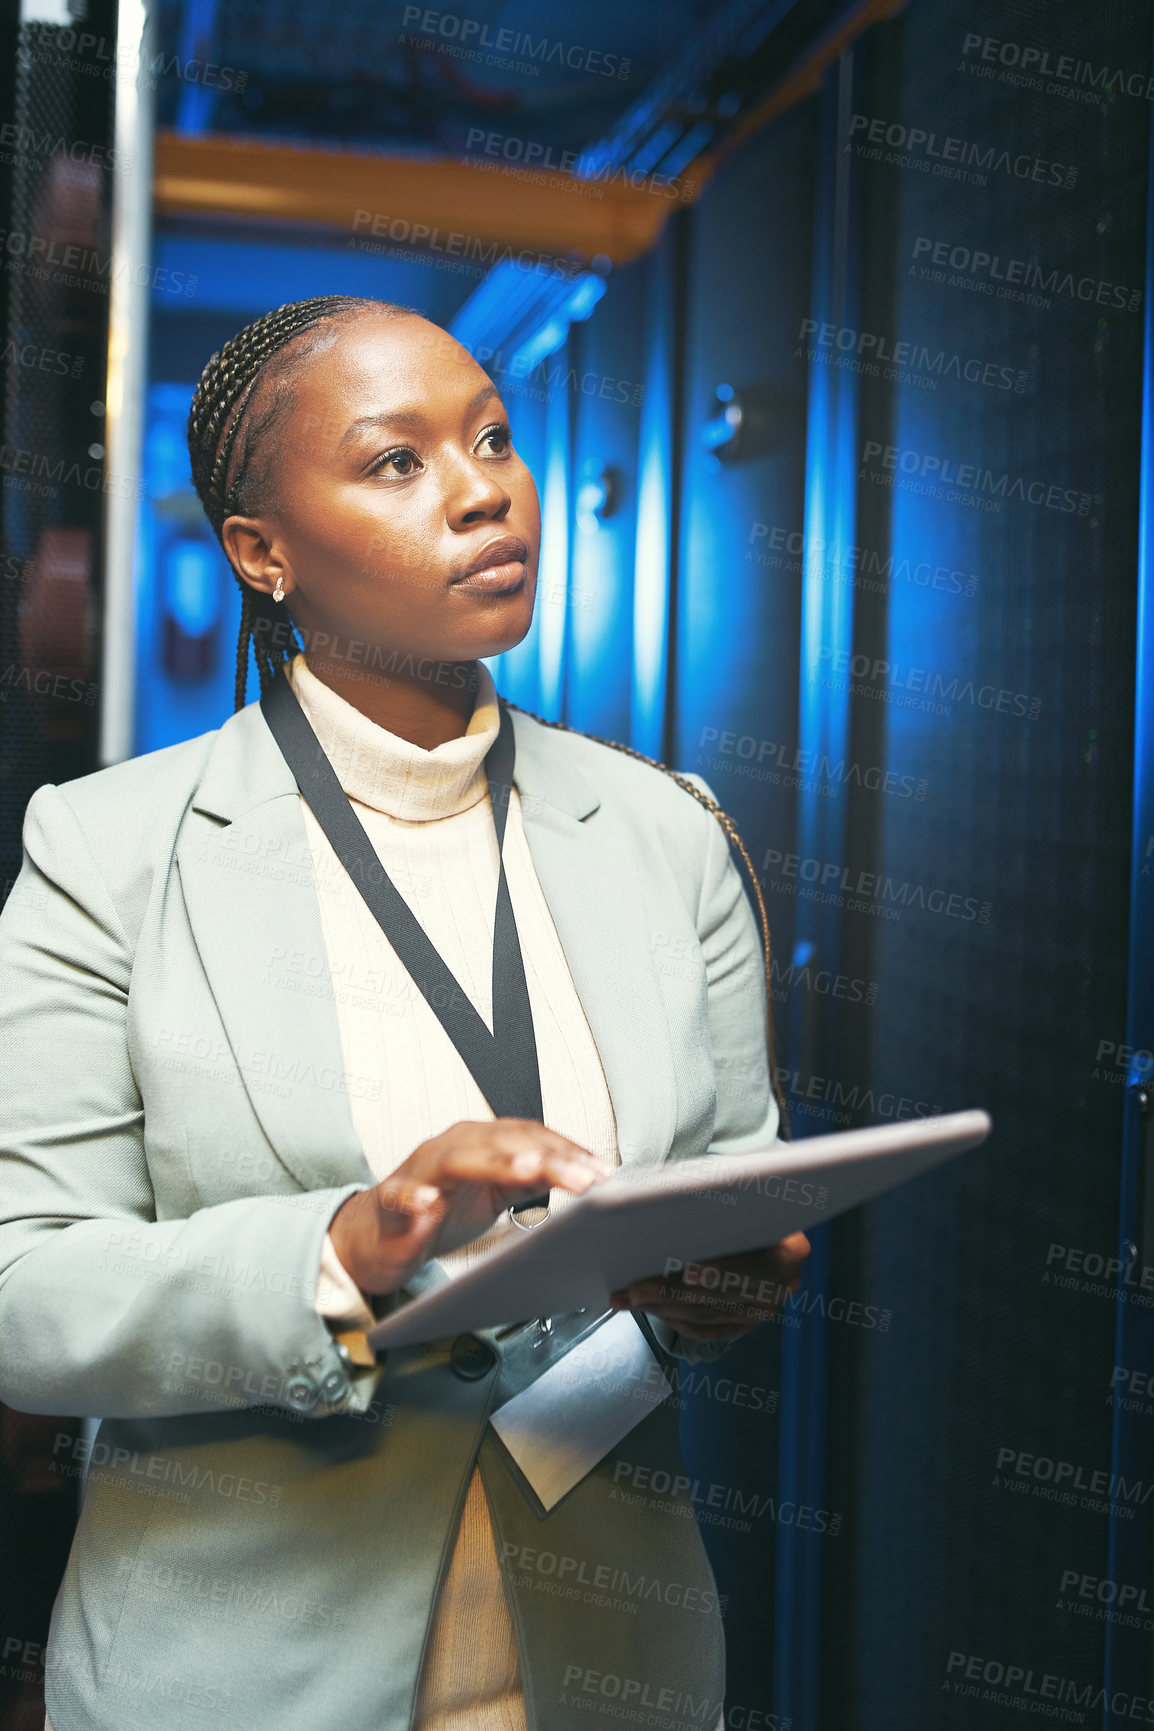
(1022, 1687)
(922, 685)
(1106, 1592)
(1013, 277)
(874, 350)
(26, 142)
(37, 472)
(1082, 1268)
(794, 762)
(1106, 1600)
(1034, 64)
(568, 1574)
(473, 35)
(455, 242)
(167, 1468)
(692, 1498)
(864, 891)
(37, 254)
(789, 548)
(955, 158)
(1139, 1385)
(589, 173)
(969, 481)
(1113, 1059)
(1070, 1475)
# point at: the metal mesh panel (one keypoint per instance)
(949, 1434)
(58, 107)
(58, 271)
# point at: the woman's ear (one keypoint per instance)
(257, 560)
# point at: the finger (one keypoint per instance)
(520, 1169)
(522, 1135)
(692, 1325)
(561, 1168)
(710, 1307)
(483, 1153)
(402, 1205)
(403, 1243)
(414, 1245)
(767, 1296)
(680, 1318)
(695, 1329)
(758, 1272)
(537, 1135)
(790, 1252)
(727, 1330)
(398, 1256)
(499, 1135)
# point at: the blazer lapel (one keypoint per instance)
(592, 880)
(250, 891)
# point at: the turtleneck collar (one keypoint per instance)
(379, 769)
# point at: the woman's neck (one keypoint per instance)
(426, 711)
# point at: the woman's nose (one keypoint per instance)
(475, 495)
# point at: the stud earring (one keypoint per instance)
(278, 592)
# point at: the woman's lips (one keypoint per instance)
(498, 569)
(495, 579)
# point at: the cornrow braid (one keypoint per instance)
(732, 834)
(219, 411)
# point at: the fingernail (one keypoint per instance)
(426, 1194)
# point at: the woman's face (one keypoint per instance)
(403, 518)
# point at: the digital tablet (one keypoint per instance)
(646, 1220)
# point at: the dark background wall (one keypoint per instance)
(991, 717)
(1026, 816)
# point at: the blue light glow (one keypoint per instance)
(553, 578)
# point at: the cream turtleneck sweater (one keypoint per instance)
(429, 818)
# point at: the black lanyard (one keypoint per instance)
(504, 1063)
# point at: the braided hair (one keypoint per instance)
(226, 427)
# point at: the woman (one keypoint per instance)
(235, 1131)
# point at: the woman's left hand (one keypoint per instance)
(724, 1298)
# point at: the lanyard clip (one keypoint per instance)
(530, 1202)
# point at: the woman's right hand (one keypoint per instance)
(449, 1191)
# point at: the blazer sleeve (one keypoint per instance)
(746, 1116)
(101, 1304)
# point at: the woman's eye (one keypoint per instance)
(402, 462)
(498, 439)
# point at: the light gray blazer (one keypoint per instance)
(264, 1529)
